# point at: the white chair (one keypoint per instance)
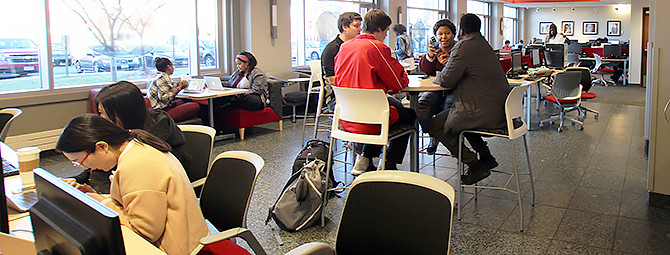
(317, 76)
(199, 143)
(226, 194)
(597, 69)
(514, 114)
(7, 116)
(350, 101)
(566, 93)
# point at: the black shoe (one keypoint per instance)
(489, 162)
(371, 167)
(432, 147)
(476, 173)
(390, 166)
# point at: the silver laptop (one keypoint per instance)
(213, 83)
(21, 201)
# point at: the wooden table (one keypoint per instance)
(210, 95)
(415, 87)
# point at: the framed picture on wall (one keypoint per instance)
(613, 28)
(544, 27)
(568, 27)
(590, 27)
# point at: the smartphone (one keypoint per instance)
(434, 42)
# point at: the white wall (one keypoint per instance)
(579, 15)
(273, 54)
(636, 41)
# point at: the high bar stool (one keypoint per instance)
(317, 76)
(514, 114)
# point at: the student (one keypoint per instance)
(162, 93)
(365, 62)
(150, 190)
(431, 103)
(480, 89)
(554, 36)
(247, 76)
(123, 104)
(507, 47)
(349, 24)
(403, 45)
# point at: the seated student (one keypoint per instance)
(365, 62)
(431, 103)
(247, 76)
(162, 93)
(123, 104)
(507, 47)
(150, 190)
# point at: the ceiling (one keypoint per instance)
(563, 3)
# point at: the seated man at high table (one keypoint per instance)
(480, 89)
(365, 62)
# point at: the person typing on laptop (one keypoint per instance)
(162, 93)
(247, 76)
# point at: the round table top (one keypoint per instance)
(300, 79)
(416, 84)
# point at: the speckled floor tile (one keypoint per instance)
(563, 248)
(596, 200)
(587, 228)
(642, 237)
(513, 243)
(636, 205)
(552, 194)
(539, 220)
(487, 211)
(602, 179)
(468, 238)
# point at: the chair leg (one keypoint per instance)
(530, 173)
(241, 133)
(460, 171)
(382, 159)
(324, 194)
(293, 116)
(281, 126)
(518, 188)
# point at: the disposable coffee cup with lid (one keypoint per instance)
(29, 159)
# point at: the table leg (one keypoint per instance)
(528, 103)
(625, 72)
(537, 103)
(414, 138)
(211, 122)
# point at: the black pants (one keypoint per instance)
(396, 147)
(251, 102)
(450, 140)
(430, 104)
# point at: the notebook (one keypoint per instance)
(213, 83)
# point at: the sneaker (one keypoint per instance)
(361, 166)
(476, 173)
(432, 147)
(489, 163)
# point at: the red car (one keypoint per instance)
(18, 56)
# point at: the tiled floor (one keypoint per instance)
(590, 189)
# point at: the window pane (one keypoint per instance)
(428, 4)
(321, 25)
(509, 12)
(421, 28)
(207, 27)
(19, 64)
(477, 7)
(118, 40)
(509, 30)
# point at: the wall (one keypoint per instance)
(636, 40)
(272, 54)
(580, 14)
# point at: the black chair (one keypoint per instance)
(199, 142)
(398, 211)
(7, 116)
(586, 82)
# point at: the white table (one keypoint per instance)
(209, 95)
(613, 60)
(534, 81)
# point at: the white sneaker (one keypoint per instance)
(361, 165)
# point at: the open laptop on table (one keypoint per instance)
(17, 199)
(214, 83)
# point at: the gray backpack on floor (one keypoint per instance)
(301, 203)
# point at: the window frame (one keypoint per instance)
(486, 20)
(46, 67)
(441, 14)
(515, 24)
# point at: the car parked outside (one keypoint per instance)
(313, 49)
(18, 56)
(176, 54)
(208, 53)
(99, 60)
(59, 56)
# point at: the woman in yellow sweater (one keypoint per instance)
(149, 189)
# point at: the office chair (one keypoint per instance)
(7, 116)
(199, 143)
(350, 101)
(598, 69)
(566, 94)
(386, 213)
(225, 198)
(586, 82)
(516, 128)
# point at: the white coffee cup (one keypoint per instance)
(29, 159)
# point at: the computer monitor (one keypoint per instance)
(535, 58)
(67, 221)
(556, 55)
(516, 62)
(4, 214)
(612, 51)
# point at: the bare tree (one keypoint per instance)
(140, 18)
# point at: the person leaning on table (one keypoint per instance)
(247, 76)
(162, 93)
(150, 190)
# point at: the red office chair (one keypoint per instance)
(598, 69)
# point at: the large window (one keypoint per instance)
(510, 25)
(102, 41)
(314, 25)
(483, 10)
(421, 16)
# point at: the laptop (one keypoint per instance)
(195, 86)
(19, 200)
(214, 83)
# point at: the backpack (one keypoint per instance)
(314, 148)
(300, 204)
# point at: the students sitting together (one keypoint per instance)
(136, 155)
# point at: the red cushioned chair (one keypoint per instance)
(566, 94)
(242, 119)
(598, 69)
(586, 83)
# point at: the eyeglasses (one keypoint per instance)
(75, 163)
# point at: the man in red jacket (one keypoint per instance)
(365, 62)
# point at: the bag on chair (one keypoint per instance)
(300, 204)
